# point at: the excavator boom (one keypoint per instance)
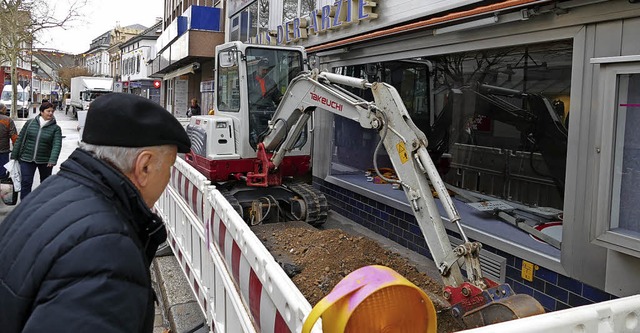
(476, 300)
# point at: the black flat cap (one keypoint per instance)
(126, 120)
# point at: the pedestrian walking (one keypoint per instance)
(38, 147)
(76, 255)
(8, 136)
(194, 108)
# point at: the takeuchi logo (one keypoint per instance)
(325, 101)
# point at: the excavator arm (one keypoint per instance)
(475, 300)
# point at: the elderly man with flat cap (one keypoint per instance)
(75, 255)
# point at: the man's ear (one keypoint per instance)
(142, 168)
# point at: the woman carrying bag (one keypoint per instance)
(38, 147)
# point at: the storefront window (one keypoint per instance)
(206, 96)
(495, 119)
(626, 219)
(618, 152)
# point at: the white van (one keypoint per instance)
(22, 101)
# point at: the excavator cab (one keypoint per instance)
(269, 72)
(251, 82)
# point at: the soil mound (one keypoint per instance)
(316, 260)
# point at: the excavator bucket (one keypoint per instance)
(505, 309)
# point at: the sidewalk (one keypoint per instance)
(70, 137)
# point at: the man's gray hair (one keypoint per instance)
(123, 158)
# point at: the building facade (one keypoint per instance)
(134, 54)
(183, 56)
(98, 58)
(479, 78)
(46, 81)
(23, 69)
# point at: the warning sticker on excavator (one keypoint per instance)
(402, 151)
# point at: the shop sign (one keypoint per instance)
(340, 15)
(207, 86)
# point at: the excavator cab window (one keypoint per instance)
(269, 72)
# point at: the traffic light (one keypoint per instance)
(156, 84)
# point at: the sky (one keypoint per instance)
(97, 17)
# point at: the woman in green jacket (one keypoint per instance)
(38, 147)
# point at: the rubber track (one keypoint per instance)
(317, 206)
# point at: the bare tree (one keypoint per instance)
(21, 22)
(462, 69)
(66, 73)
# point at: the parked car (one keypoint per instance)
(22, 102)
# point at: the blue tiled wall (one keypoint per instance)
(552, 290)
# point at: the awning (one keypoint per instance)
(431, 22)
(188, 69)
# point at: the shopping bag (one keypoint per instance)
(13, 167)
(7, 192)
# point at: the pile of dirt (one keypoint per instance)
(318, 259)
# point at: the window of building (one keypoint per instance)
(234, 34)
(626, 218)
(618, 224)
(263, 17)
(495, 120)
(244, 25)
(252, 21)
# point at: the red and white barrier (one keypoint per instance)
(236, 281)
(620, 316)
(241, 288)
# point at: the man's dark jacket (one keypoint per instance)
(75, 255)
